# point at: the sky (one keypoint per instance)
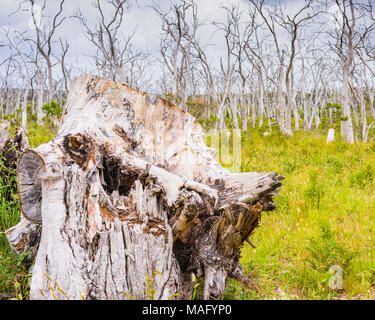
(139, 17)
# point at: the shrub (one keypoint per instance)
(208, 124)
(324, 251)
(52, 109)
(315, 191)
(363, 177)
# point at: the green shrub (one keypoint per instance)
(335, 165)
(208, 124)
(315, 191)
(365, 176)
(52, 109)
(291, 165)
(324, 251)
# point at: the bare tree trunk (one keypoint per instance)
(281, 108)
(253, 110)
(346, 123)
(40, 96)
(221, 106)
(24, 108)
(261, 98)
(18, 99)
(295, 113)
(243, 109)
(289, 108)
(371, 100)
(233, 100)
(363, 126)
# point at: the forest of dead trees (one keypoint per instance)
(290, 66)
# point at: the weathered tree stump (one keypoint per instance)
(128, 188)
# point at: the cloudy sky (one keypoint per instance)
(139, 17)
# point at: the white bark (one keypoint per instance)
(40, 96)
(128, 187)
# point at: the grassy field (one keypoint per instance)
(324, 219)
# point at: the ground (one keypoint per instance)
(325, 217)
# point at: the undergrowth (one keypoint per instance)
(14, 276)
(324, 219)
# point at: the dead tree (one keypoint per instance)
(293, 25)
(349, 35)
(227, 67)
(44, 39)
(180, 49)
(115, 53)
(128, 189)
(15, 41)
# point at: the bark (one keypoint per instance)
(261, 99)
(346, 123)
(10, 149)
(243, 109)
(40, 96)
(281, 108)
(4, 132)
(233, 100)
(24, 108)
(23, 237)
(127, 189)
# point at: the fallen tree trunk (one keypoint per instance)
(25, 236)
(127, 191)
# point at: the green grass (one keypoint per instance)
(14, 278)
(39, 134)
(325, 217)
(14, 275)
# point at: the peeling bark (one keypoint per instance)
(128, 188)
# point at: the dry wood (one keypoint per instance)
(25, 236)
(4, 132)
(128, 188)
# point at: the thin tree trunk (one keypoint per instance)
(24, 108)
(261, 99)
(346, 123)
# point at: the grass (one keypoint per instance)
(325, 218)
(14, 275)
